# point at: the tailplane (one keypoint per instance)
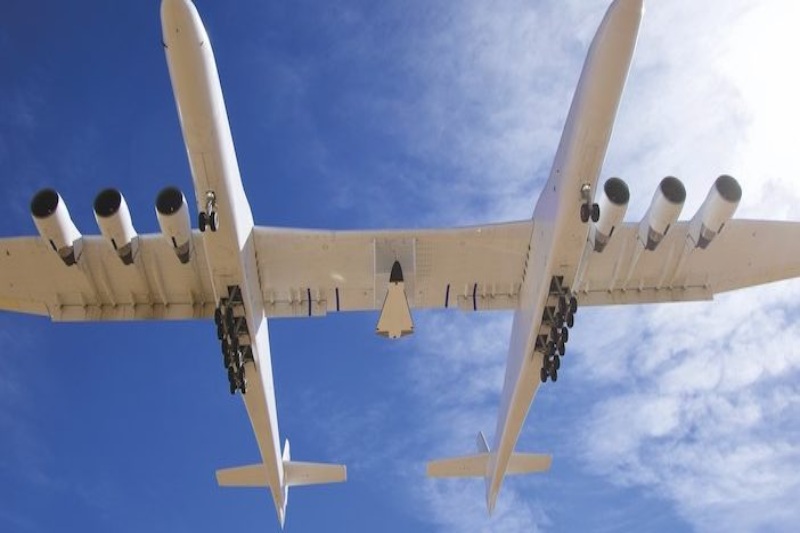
(295, 473)
(478, 465)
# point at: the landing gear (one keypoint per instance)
(209, 218)
(588, 208)
(229, 317)
(558, 318)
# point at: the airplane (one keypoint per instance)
(574, 251)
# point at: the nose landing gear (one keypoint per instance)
(209, 218)
(588, 208)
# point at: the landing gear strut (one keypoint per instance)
(209, 218)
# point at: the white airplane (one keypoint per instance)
(576, 249)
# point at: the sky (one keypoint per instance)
(357, 114)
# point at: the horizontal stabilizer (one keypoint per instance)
(528, 463)
(243, 476)
(477, 465)
(299, 473)
(295, 473)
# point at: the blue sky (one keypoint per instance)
(361, 114)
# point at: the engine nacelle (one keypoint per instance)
(114, 220)
(52, 219)
(717, 209)
(664, 210)
(613, 204)
(173, 217)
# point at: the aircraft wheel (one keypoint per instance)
(595, 212)
(217, 316)
(573, 305)
(243, 388)
(570, 320)
(556, 362)
(543, 375)
(565, 334)
(558, 319)
(551, 348)
(554, 375)
(202, 221)
(220, 332)
(226, 359)
(562, 348)
(562, 305)
(584, 213)
(232, 387)
(213, 221)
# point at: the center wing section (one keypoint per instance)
(313, 272)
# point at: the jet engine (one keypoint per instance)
(717, 209)
(662, 213)
(114, 220)
(52, 219)
(613, 205)
(173, 217)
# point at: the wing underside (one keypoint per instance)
(745, 253)
(99, 286)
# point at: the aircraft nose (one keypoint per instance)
(179, 19)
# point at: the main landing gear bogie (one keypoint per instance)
(231, 324)
(559, 317)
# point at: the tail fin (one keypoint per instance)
(295, 473)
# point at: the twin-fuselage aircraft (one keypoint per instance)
(574, 251)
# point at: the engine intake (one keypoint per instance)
(717, 209)
(613, 205)
(173, 218)
(54, 224)
(664, 210)
(114, 219)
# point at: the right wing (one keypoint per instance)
(745, 253)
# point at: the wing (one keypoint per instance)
(311, 272)
(745, 253)
(34, 280)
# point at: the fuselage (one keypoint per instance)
(230, 250)
(559, 235)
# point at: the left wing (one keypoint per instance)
(311, 272)
(745, 253)
(33, 279)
